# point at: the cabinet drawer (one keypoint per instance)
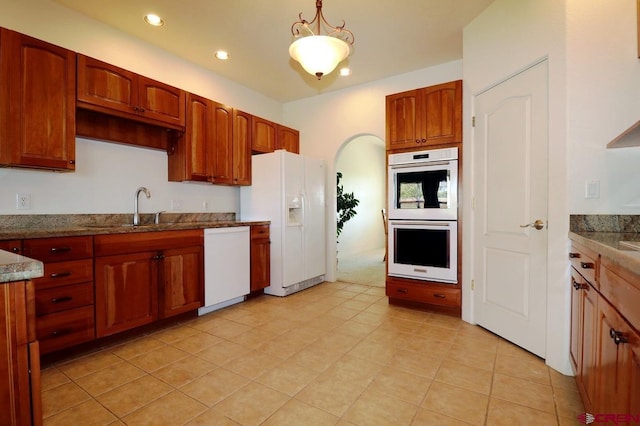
(62, 298)
(259, 231)
(424, 294)
(58, 249)
(620, 291)
(63, 329)
(585, 261)
(65, 273)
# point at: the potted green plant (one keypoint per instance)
(346, 203)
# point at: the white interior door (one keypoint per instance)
(510, 184)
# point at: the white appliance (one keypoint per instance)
(424, 250)
(424, 185)
(226, 267)
(288, 190)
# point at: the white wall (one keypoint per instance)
(506, 38)
(328, 120)
(604, 100)
(362, 163)
(108, 174)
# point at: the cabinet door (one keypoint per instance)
(241, 148)
(439, 109)
(161, 102)
(575, 345)
(222, 154)
(264, 134)
(288, 139)
(589, 305)
(260, 257)
(401, 116)
(181, 281)
(617, 363)
(104, 87)
(126, 292)
(38, 115)
(189, 159)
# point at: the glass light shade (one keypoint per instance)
(318, 54)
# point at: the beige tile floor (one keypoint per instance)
(335, 354)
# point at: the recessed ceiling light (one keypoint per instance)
(222, 55)
(345, 71)
(153, 19)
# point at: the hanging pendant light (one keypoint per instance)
(319, 54)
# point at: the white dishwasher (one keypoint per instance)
(226, 267)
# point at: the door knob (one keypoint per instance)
(538, 224)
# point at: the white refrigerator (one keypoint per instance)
(289, 190)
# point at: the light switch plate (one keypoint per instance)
(592, 189)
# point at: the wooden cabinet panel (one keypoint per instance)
(423, 293)
(64, 297)
(263, 135)
(20, 396)
(115, 91)
(37, 103)
(575, 341)
(65, 328)
(260, 257)
(618, 349)
(288, 139)
(161, 102)
(65, 273)
(189, 157)
(589, 325)
(241, 148)
(440, 109)
(222, 154)
(401, 116)
(181, 279)
(126, 293)
(105, 85)
(58, 248)
(14, 246)
(423, 117)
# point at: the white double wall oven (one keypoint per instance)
(423, 215)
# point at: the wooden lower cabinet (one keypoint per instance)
(64, 295)
(126, 292)
(20, 389)
(143, 277)
(605, 342)
(260, 257)
(181, 278)
(440, 296)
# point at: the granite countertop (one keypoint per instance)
(43, 226)
(14, 267)
(608, 245)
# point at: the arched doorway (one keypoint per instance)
(360, 248)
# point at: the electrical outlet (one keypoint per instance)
(592, 189)
(23, 201)
(176, 204)
(205, 205)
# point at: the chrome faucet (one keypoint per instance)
(136, 215)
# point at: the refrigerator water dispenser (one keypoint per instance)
(294, 208)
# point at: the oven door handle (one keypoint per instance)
(419, 164)
(419, 223)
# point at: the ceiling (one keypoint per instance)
(391, 38)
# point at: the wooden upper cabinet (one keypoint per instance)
(37, 103)
(264, 134)
(222, 153)
(241, 148)
(189, 154)
(401, 118)
(112, 90)
(288, 139)
(426, 116)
